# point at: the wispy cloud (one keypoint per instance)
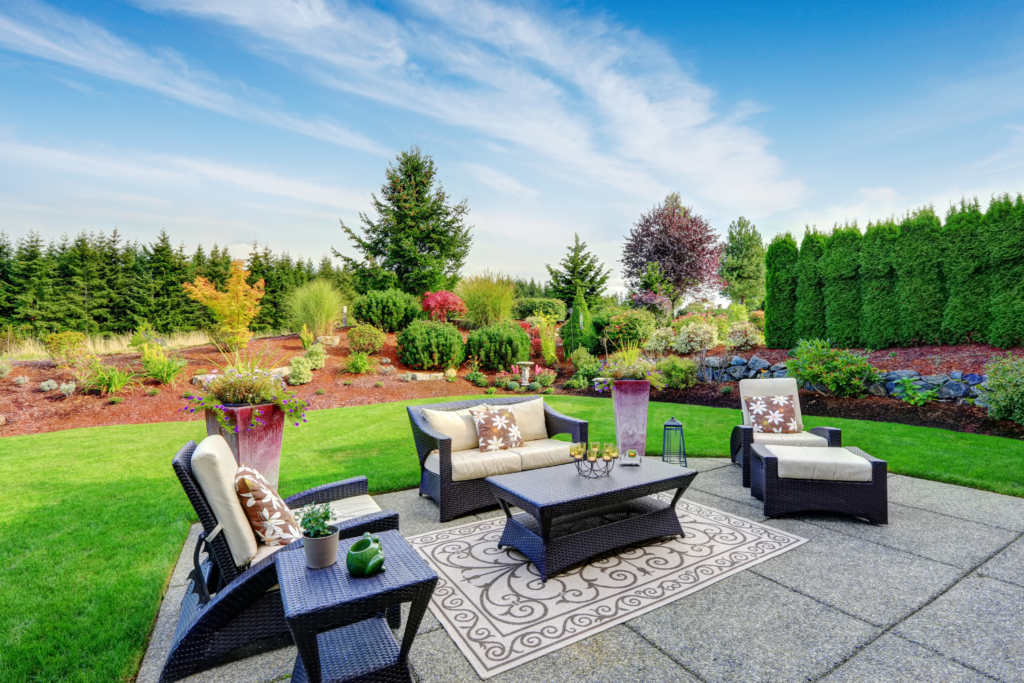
(39, 30)
(501, 182)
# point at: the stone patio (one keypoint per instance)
(937, 595)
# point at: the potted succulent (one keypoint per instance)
(319, 539)
(248, 404)
(630, 377)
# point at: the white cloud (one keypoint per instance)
(501, 182)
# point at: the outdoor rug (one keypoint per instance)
(500, 614)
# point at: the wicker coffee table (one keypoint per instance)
(568, 518)
(336, 619)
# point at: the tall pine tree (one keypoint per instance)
(743, 263)
(170, 309)
(919, 268)
(839, 267)
(780, 292)
(1004, 237)
(33, 294)
(880, 312)
(810, 292)
(580, 269)
(965, 265)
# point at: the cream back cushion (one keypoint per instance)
(530, 418)
(458, 424)
(214, 468)
(776, 386)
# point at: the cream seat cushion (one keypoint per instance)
(775, 386)
(472, 464)
(822, 464)
(530, 418)
(458, 424)
(805, 439)
(214, 467)
(265, 551)
(543, 453)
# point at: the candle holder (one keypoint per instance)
(593, 462)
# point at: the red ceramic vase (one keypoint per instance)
(259, 447)
(630, 398)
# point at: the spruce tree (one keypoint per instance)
(171, 310)
(7, 263)
(81, 291)
(579, 330)
(780, 292)
(579, 269)
(810, 291)
(880, 312)
(133, 300)
(965, 261)
(839, 268)
(1004, 237)
(919, 268)
(33, 276)
(743, 263)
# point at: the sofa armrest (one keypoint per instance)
(740, 441)
(427, 438)
(557, 423)
(833, 435)
(356, 486)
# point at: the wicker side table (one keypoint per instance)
(337, 619)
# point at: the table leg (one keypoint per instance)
(675, 499)
(417, 609)
(309, 653)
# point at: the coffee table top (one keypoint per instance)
(552, 486)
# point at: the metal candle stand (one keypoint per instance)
(595, 469)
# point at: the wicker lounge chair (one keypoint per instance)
(744, 436)
(455, 498)
(232, 611)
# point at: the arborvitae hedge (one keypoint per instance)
(810, 296)
(839, 268)
(919, 268)
(965, 267)
(880, 315)
(1004, 237)
(780, 292)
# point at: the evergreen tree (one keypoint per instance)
(261, 267)
(171, 309)
(965, 261)
(839, 267)
(880, 315)
(780, 292)
(919, 268)
(579, 330)
(580, 269)
(530, 290)
(419, 241)
(1004, 237)
(33, 293)
(80, 289)
(810, 292)
(7, 263)
(133, 293)
(218, 267)
(743, 263)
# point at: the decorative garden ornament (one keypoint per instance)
(630, 398)
(260, 447)
(365, 556)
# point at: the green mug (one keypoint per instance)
(365, 556)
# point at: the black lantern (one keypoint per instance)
(673, 448)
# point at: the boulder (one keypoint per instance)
(329, 340)
(385, 361)
(282, 372)
(898, 374)
(714, 362)
(758, 364)
(425, 376)
(736, 360)
(956, 374)
(877, 389)
(893, 388)
(937, 380)
(754, 374)
(972, 379)
(980, 402)
(954, 389)
(777, 367)
(976, 390)
(736, 372)
(781, 373)
(3, 420)
(707, 375)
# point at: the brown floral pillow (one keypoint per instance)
(269, 517)
(496, 428)
(772, 414)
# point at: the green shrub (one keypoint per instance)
(1004, 239)
(1005, 388)
(390, 310)
(840, 275)
(5, 367)
(630, 327)
(679, 373)
(21, 380)
(965, 258)
(498, 347)
(108, 379)
(744, 336)
(880, 312)
(737, 313)
(358, 363)
(317, 356)
(490, 390)
(696, 338)
(840, 371)
(512, 386)
(602, 318)
(478, 378)
(579, 330)
(366, 338)
(906, 390)
(577, 382)
(587, 368)
(524, 308)
(920, 285)
(809, 316)
(301, 371)
(533, 386)
(716, 319)
(68, 388)
(548, 391)
(315, 305)
(548, 341)
(757, 320)
(660, 342)
(429, 345)
(488, 297)
(48, 385)
(156, 364)
(545, 377)
(65, 348)
(780, 292)
(306, 337)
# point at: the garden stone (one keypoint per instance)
(736, 371)
(777, 367)
(713, 362)
(898, 374)
(956, 374)
(329, 340)
(923, 386)
(425, 376)
(936, 379)
(736, 360)
(980, 402)
(758, 364)
(3, 420)
(893, 388)
(972, 379)
(820, 388)
(954, 390)
(781, 373)
(976, 390)
(877, 389)
(385, 361)
(282, 372)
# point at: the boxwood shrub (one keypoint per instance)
(679, 373)
(431, 345)
(366, 338)
(390, 310)
(630, 327)
(524, 308)
(500, 346)
(1004, 389)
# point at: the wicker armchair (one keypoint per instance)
(744, 436)
(455, 498)
(229, 611)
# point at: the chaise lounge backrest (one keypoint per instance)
(776, 386)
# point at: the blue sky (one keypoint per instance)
(241, 120)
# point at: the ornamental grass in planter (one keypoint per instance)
(630, 377)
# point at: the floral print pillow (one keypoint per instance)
(269, 517)
(496, 428)
(772, 414)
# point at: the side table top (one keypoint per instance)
(305, 590)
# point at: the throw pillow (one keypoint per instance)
(773, 414)
(496, 429)
(271, 520)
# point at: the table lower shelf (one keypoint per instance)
(363, 651)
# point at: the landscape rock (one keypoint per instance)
(954, 389)
(329, 340)
(936, 379)
(781, 373)
(972, 379)
(736, 371)
(714, 362)
(758, 364)
(385, 361)
(736, 360)
(976, 390)
(877, 389)
(980, 402)
(956, 374)
(893, 388)
(282, 372)
(423, 376)
(777, 367)
(708, 375)
(3, 420)
(753, 374)
(898, 374)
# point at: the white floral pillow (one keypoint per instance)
(496, 428)
(270, 519)
(773, 414)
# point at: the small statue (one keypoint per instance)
(365, 557)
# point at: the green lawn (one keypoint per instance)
(93, 519)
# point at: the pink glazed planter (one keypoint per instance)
(259, 447)
(630, 398)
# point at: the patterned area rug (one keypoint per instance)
(495, 607)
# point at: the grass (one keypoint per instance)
(93, 519)
(29, 348)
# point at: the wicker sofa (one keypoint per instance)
(455, 477)
(232, 607)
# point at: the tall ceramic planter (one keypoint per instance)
(629, 399)
(259, 447)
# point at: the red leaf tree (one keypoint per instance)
(678, 239)
(440, 304)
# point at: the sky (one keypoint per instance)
(233, 121)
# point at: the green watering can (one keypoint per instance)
(365, 556)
